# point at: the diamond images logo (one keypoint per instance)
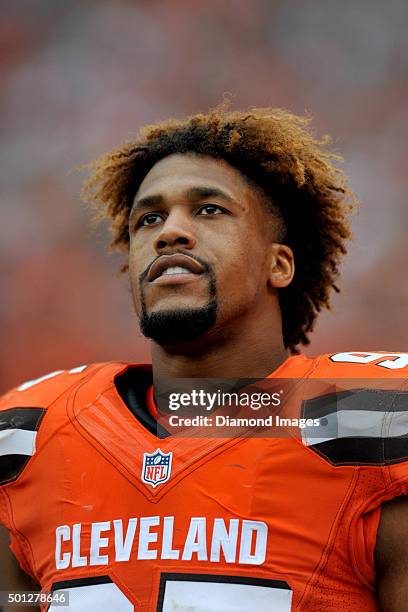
(156, 467)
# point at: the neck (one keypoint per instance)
(251, 349)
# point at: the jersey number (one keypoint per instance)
(36, 381)
(181, 592)
(397, 361)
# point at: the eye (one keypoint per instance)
(150, 219)
(211, 209)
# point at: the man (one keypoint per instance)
(234, 225)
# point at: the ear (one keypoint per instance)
(282, 266)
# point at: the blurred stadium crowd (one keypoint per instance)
(78, 78)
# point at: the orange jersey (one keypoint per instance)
(99, 506)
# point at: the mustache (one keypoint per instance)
(206, 266)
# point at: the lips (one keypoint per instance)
(178, 260)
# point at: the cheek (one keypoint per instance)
(239, 287)
(247, 256)
(134, 274)
(241, 276)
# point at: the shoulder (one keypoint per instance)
(361, 402)
(44, 390)
(23, 410)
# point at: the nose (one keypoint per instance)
(175, 231)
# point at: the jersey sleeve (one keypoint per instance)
(364, 418)
(362, 407)
(30, 416)
(22, 411)
(365, 426)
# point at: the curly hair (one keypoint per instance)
(276, 150)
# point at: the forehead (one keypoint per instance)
(182, 171)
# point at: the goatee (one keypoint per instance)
(172, 327)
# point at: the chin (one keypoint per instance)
(180, 325)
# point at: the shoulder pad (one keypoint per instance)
(361, 426)
(44, 390)
(21, 412)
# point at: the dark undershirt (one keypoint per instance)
(132, 387)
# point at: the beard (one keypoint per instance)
(178, 326)
(171, 327)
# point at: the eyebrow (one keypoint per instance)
(195, 193)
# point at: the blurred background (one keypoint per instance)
(78, 78)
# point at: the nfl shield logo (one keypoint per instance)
(156, 467)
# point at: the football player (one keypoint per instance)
(233, 226)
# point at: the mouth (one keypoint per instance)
(174, 269)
